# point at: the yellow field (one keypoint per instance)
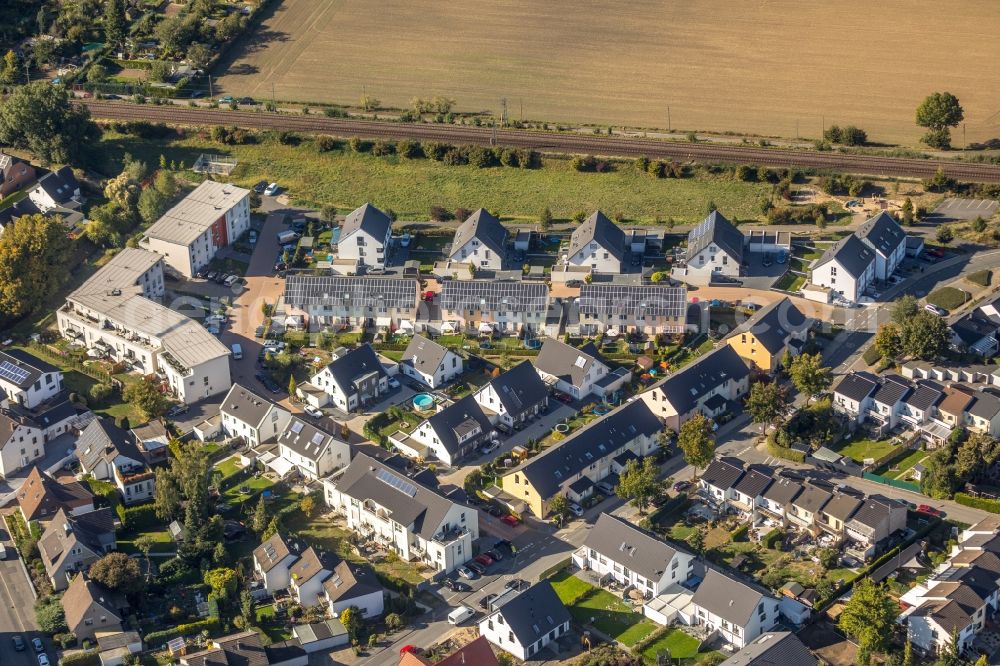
(756, 66)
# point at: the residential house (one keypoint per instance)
(41, 497)
(489, 307)
(748, 492)
(583, 459)
(514, 397)
(355, 585)
(152, 439)
(247, 649)
(887, 240)
(719, 479)
(116, 314)
(253, 418)
(480, 241)
(773, 330)
(56, 189)
(598, 244)
(953, 409)
(91, 608)
(331, 302)
(71, 543)
(21, 442)
(476, 653)
(947, 609)
(108, 453)
(835, 514)
(921, 404)
(365, 236)
(577, 372)
(779, 496)
(429, 363)
(715, 248)
(887, 401)
(633, 557)
(852, 396)
(707, 386)
(273, 560)
(308, 573)
(413, 520)
(772, 648)
(321, 636)
(737, 611)
(311, 450)
(189, 235)
(353, 379)
(847, 268)
(27, 380)
(449, 435)
(804, 511)
(984, 414)
(14, 174)
(528, 622)
(874, 522)
(622, 308)
(975, 332)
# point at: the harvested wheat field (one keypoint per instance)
(762, 66)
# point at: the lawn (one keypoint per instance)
(790, 282)
(678, 644)
(162, 543)
(229, 466)
(948, 298)
(235, 497)
(607, 613)
(901, 468)
(806, 254)
(411, 187)
(861, 449)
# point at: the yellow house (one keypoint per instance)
(774, 329)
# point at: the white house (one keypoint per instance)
(352, 380)
(739, 612)
(245, 414)
(26, 380)
(365, 236)
(308, 573)
(487, 307)
(188, 236)
(21, 442)
(887, 402)
(333, 302)
(109, 453)
(887, 240)
(615, 309)
(577, 372)
(847, 268)
(715, 248)
(354, 585)
(719, 479)
(632, 556)
(853, 395)
(57, 189)
(273, 560)
(311, 450)
(598, 244)
(480, 241)
(449, 435)
(514, 396)
(413, 520)
(528, 622)
(429, 363)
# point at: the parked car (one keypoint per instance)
(466, 572)
(43, 659)
(260, 187)
(477, 567)
(393, 383)
(247, 100)
(513, 584)
(576, 509)
(563, 397)
(485, 602)
(231, 280)
(494, 510)
(456, 585)
(258, 332)
(930, 511)
(226, 99)
(37, 644)
(409, 649)
(504, 543)
(176, 411)
(935, 252)
(494, 555)
(271, 190)
(681, 486)
(18, 642)
(253, 237)
(934, 309)
(314, 412)
(484, 559)
(511, 520)
(605, 488)
(211, 275)
(490, 448)
(460, 615)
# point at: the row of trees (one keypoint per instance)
(129, 204)
(913, 332)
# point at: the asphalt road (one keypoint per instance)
(17, 615)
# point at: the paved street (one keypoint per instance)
(17, 615)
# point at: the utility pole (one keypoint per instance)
(211, 92)
(964, 142)
(274, 102)
(668, 118)
(796, 129)
(522, 110)
(503, 112)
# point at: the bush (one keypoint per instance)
(325, 144)
(99, 392)
(383, 148)
(993, 506)
(587, 163)
(89, 658)
(773, 537)
(871, 355)
(740, 533)
(982, 278)
(784, 452)
(141, 517)
(65, 640)
(157, 638)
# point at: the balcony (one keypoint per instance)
(450, 536)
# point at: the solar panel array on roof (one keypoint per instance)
(609, 299)
(494, 296)
(10, 371)
(399, 484)
(325, 290)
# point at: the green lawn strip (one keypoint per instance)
(790, 282)
(948, 298)
(568, 587)
(234, 496)
(866, 448)
(679, 644)
(601, 609)
(162, 542)
(229, 466)
(903, 466)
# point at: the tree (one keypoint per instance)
(925, 336)
(639, 483)
(151, 205)
(908, 211)
(559, 507)
(307, 505)
(869, 616)
(10, 69)
(50, 616)
(144, 543)
(767, 402)
(167, 499)
(117, 571)
(222, 581)
(369, 103)
(979, 225)
(33, 253)
(939, 112)
(904, 309)
(97, 74)
(352, 620)
(697, 541)
(696, 442)
(809, 376)
(115, 22)
(259, 520)
(41, 118)
(393, 622)
(907, 654)
(145, 396)
(247, 608)
(945, 234)
(545, 219)
(888, 342)
(199, 55)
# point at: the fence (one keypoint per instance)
(895, 483)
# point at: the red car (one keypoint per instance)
(563, 397)
(511, 520)
(409, 648)
(935, 252)
(484, 559)
(929, 510)
(429, 296)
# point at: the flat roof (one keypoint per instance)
(198, 211)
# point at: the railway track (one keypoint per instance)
(552, 142)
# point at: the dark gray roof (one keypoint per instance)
(684, 388)
(605, 436)
(103, 440)
(60, 185)
(775, 648)
(973, 327)
(985, 406)
(369, 219)
(723, 473)
(875, 510)
(246, 405)
(424, 355)
(608, 300)
(484, 227)
(753, 483)
(457, 420)
(351, 581)
(304, 291)
(486, 296)
(630, 546)
(774, 323)
(894, 388)
(22, 369)
(842, 506)
(534, 613)
(520, 388)
(727, 597)
(883, 233)
(926, 395)
(356, 363)
(812, 499)
(306, 439)
(567, 362)
(603, 231)
(857, 386)
(851, 253)
(715, 228)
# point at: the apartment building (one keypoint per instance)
(527, 622)
(311, 450)
(738, 611)
(883, 235)
(365, 236)
(480, 241)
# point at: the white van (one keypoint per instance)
(460, 615)
(237, 351)
(287, 236)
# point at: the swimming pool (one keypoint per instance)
(423, 401)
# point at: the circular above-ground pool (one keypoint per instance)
(532, 343)
(423, 401)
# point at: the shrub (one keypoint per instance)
(88, 658)
(325, 144)
(141, 517)
(871, 355)
(982, 278)
(358, 145)
(65, 640)
(740, 533)
(773, 537)
(784, 452)
(158, 638)
(587, 163)
(440, 214)
(383, 148)
(993, 506)
(410, 149)
(99, 392)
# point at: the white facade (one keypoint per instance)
(712, 261)
(833, 275)
(677, 571)
(333, 455)
(25, 444)
(479, 255)
(347, 398)
(495, 629)
(449, 368)
(597, 258)
(47, 386)
(371, 605)
(278, 577)
(362, 247)
(488, 399)
(761, 620)
(255, 433)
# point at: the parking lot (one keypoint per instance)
(951, 210)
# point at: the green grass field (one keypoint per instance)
(948, 298)
(676, 643)
(901, 469)
(411, 187)
(866, 448)
(606, 612)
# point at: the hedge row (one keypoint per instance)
(155, 639)
(993, 506)
(784, 453)
(740, 533)
(773, 537)
(89, 658)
